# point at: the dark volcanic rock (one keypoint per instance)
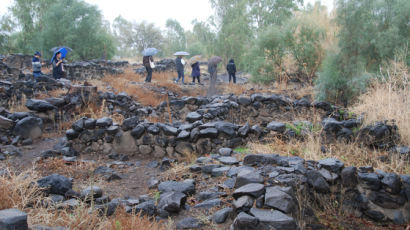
(13, 219)
(220, 216)
(104, 122)
(316, 180)
(39, 105)
(29, 127)
(253, 189)
(276, 219)
(172, 201)
(276, 126)
(276, 198)
(331, 164)
(55, 184)
(245, 222)
(349, 178)
(369, 180)
(193, 116)
(186, 186)
(189, 223)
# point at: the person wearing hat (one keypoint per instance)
(58, 68)
(36, 64)
(231, 68)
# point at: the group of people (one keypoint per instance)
(148, 63)
(57, 62)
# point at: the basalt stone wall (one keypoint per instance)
(363, 191)
(255, 109)
(93, 70)
(12, 65)
(200, 137)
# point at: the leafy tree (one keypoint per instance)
(234, 30)
(272, 12)
(370, 33)
(134, 37)
(201, 40)
(175, 37)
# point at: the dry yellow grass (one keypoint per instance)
(18, 191)
(389, 99)
(352, 154)
(18, 105)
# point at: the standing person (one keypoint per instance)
(179, 62)
(212, 68)
(231, 68)
(36, 65)
(58, 66)
(147, 61)
(196, 72)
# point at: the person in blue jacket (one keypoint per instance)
(196, 72)
(36, 64)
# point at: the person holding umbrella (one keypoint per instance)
(231, 68)
(36, 65)
(58, 68)
(179, 62)
(147, 62)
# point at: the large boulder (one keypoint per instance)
(172, 201)
(278, 199)
(39, 105)
(186, 186)
(273, 219)
(55, 184)
(29, 127)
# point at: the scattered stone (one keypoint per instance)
(189, 223)
(252, 189)
(208, 204)
(220, 216)
(276, 198)
(13, 219)
(91, 192)
(243, 203)
(220, 171)
(225, 151)
(245, 222)
(172, 201)
(186, 186)
(29, 127)
(228, 160)
(55, 184)
(276, 126)
(247, 177)
(276, 219)
(39, 105)
(331, 164)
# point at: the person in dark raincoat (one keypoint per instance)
(36, 64)
(180, 69)
(58, 66)
(196, 72)
(146, 62)
(231, 68)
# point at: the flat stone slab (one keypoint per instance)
(13, 219)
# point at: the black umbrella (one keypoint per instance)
(214, 60)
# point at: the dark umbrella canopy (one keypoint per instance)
(149, 51)
(214, 60)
